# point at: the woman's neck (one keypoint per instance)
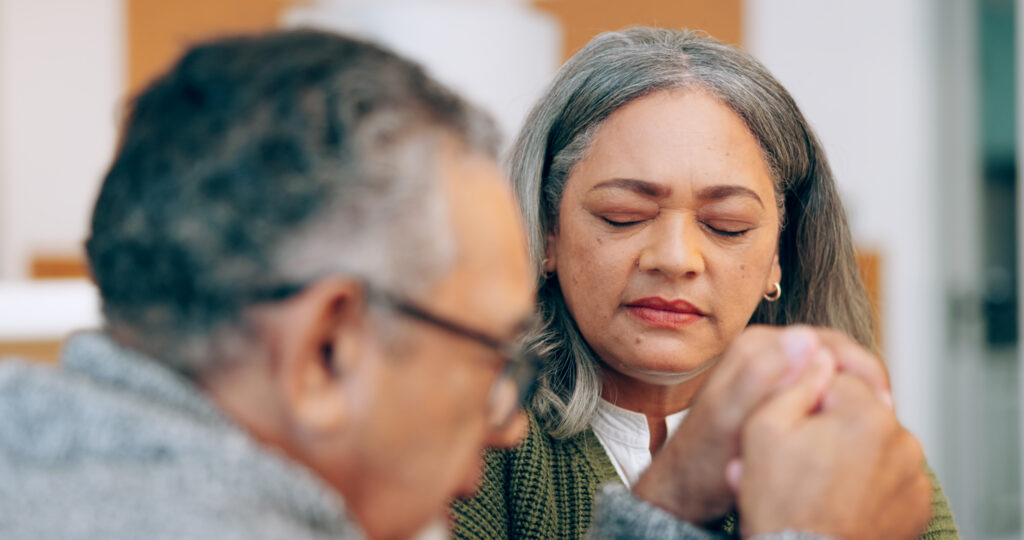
(652, 400)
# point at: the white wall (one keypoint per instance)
(500, 54)
(865, 75)
(61, 76)
(47, 309)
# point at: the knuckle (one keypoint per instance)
(838, 339)
(855, 388)
(832, 334)
(911, 447)
(904, 459)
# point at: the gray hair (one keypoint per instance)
(259, 162)
(820, 277)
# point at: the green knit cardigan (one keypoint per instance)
(545, 487)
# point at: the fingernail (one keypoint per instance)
(797, 344)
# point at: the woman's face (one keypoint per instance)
(667, 236)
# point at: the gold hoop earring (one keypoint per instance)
(773, 296)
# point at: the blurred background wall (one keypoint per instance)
(914, 100)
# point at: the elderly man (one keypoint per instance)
(312, 277)
(310, 268)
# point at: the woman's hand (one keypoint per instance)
(687, 477)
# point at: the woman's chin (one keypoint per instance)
(663, 374)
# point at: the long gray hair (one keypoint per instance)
(819, 271)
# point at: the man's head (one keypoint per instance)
(280, 210)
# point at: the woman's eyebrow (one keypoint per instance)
(718, 192)
(642, 187)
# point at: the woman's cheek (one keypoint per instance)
(584, 291)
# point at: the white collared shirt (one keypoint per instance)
(627, 438)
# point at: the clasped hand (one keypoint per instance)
(795, 429)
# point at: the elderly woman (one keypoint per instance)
(674, 194)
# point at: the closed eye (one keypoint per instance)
(619, 224)
(727, 233)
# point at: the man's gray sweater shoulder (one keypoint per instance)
(112, 445)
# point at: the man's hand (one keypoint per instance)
(840, 466)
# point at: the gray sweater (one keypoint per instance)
(112, 445)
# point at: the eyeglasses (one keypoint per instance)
(515, 384)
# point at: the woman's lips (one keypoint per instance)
(663, 313)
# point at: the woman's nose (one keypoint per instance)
(673, 247)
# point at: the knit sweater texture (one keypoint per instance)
(545, 488)
(113, 445)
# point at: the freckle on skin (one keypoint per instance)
(638, 340)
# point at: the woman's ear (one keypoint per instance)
(775, 276)
(550, 262)
(322, 338)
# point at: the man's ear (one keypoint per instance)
(322, 334)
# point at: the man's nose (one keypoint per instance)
(673, 247)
